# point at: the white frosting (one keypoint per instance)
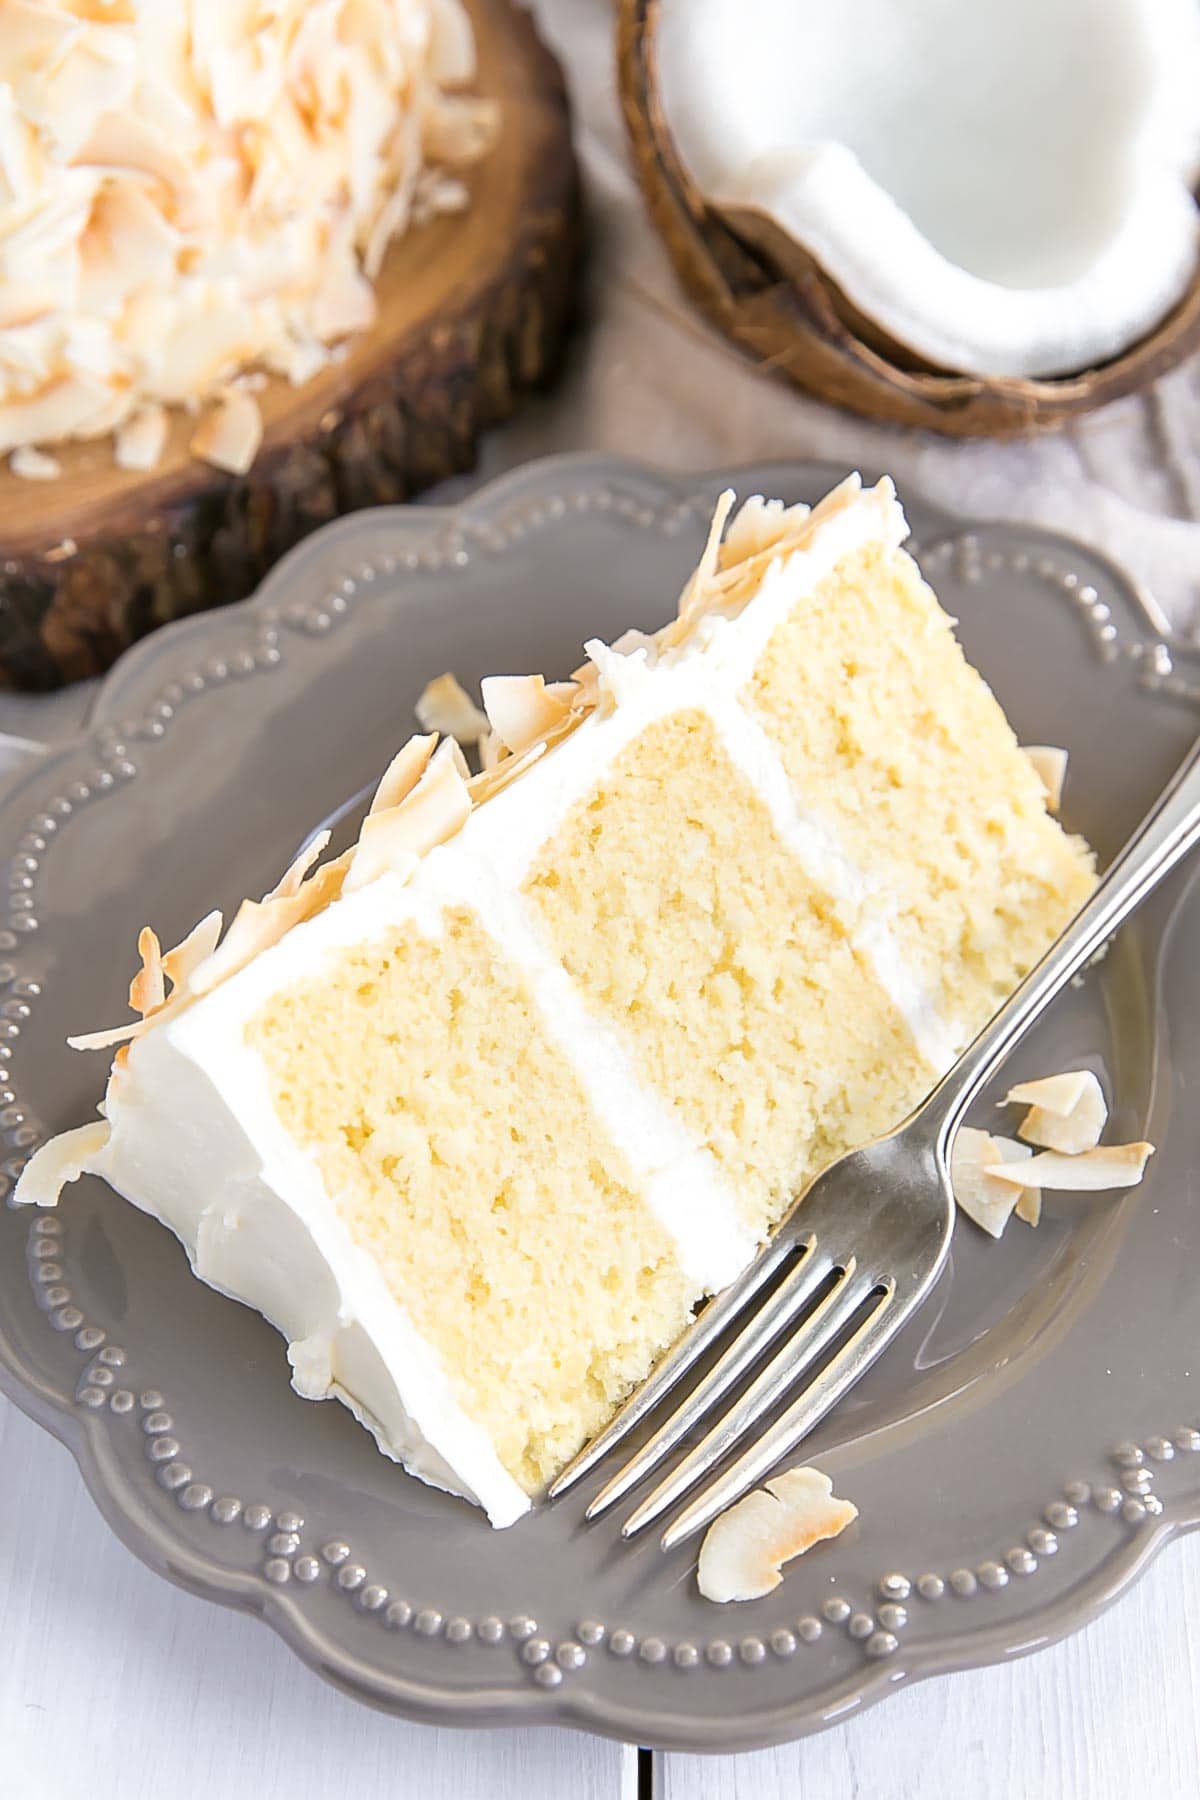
(196, 1141)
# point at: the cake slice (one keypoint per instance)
(478, 1112)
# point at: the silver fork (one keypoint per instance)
(865, 1242)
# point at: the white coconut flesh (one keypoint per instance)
(1004, 187)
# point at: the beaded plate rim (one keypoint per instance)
(539, 1693)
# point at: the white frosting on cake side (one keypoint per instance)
(195, 1138)
(196, 1141)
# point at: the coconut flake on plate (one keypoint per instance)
(990, 1203)
(61, 1160)
(1050, 767)
(1029, 1200)
(746, 1546)
(1066, 1112)
(1089, 1171)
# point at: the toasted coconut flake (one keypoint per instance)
(181, 963)
(291, 880)
(445, 706)
(460, 129)
(147, 990)
(1050, 765)
(147, 996)
(122, 141)
(988, 1202)
(1073, 1131)
(744, 1549)
(127, 244)
(490, 752)
(1029, 1206)
(1091, 1171)
(451, 43)
(141, 440)
(229, 435)
(345, 301)
(403, 772)
(116, 1034)
(258, 924)
(34, 465)
(1029, 1200)
(62, 408)
(393, 840)
(760, 525)
(521, 708)
(735, 582)
(200, 963)
(564, 692)
(1058, 1094)
(490, 782)
(702, 575)
(65, 1158)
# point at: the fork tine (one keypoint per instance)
(721, 1310)
(798, 1286)
(799, 1352)
(827, 1388)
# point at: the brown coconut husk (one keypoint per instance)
(780, 308)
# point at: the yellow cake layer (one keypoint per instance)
(889, 735)
(460, 1151)
(687, 924)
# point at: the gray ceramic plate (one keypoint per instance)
(1017, 1455)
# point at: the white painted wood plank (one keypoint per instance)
(1112, 1711)
(118, 1686)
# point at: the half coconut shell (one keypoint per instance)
(780, 308)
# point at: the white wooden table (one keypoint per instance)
(115, 1686)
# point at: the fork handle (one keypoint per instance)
(1164, 837)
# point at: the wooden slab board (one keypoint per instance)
(473, 310)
